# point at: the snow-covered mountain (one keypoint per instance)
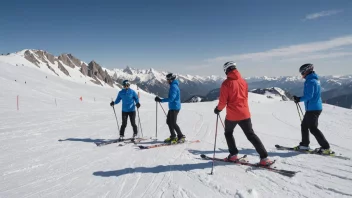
(341, 96)
(294, 84)
(69, 67)
(154, 81)
(274, 93)
(194, 99)
(65, 66)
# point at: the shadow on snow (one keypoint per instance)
(89, 140)
(156, 169)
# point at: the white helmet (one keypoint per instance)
(229, 65)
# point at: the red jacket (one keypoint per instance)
(234, 94)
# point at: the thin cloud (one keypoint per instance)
(290, 51)
(322, 14)
(319, 56)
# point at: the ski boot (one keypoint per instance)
(120, 138)
(231, 158)
(171, 140)
(322, 151)
(265, 162)
(133, 137)
(301, 148)
(181, 139)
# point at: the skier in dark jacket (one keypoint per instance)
(174, 100)
(313, 106)
(129, 97)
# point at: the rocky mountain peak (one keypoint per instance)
(96, 72)
(129, 70)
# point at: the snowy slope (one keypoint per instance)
(33, 163)
(53, 67)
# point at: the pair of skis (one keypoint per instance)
(128, 140)
(332, 154)
(243, 161)
(287, 173)
(137, 140)
(166, 144)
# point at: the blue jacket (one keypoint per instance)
(128, 97)
(311, 98)
(174, 98)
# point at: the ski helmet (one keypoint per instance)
(126, 83)
(229, 66)
(304, 69)
(170, 76)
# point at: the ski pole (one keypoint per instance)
(300, 109)
(140, 124)
(222, 122)
(116, 118)
(216, 134)
(163, 109)
(298, 112)
(156, 120)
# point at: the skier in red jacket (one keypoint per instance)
(234, 95)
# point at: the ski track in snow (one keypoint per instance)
(49, 150)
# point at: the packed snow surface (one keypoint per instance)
(47, 146)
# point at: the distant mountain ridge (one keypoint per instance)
(69, 67)
(294, 84)
(274, 92)
(193, 87)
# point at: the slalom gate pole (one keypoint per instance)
(298, 111)
(163, 109)
(116, 118)
(140, 124)
(216, 134)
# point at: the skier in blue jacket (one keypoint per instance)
(129, 97)
(174, 100)
(313, 105)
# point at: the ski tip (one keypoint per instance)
(142, 147)
(276, 145)
(203, 156)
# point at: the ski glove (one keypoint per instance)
(138, 105)
(296, 99)
(157, 99)
(216, 111)
(112, 103)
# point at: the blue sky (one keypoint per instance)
(187, 36)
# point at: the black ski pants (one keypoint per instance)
(310, 123)
(246, 126)
(172, 123)
(125, 116)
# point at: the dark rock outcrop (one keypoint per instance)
(31, 58)
(96, 71)
(63, 69)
